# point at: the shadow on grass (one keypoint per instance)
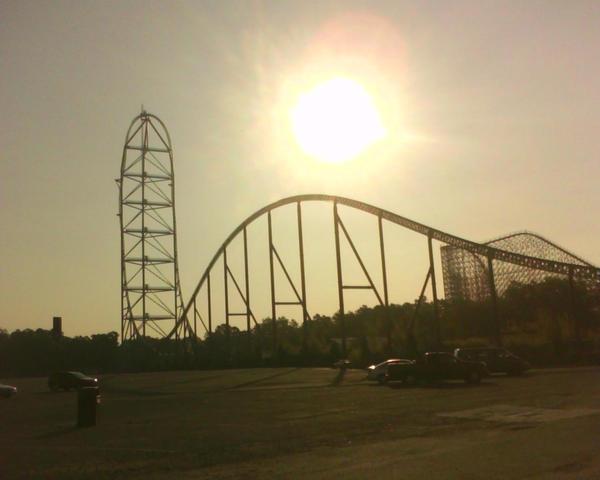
(108, 389)
(339, 378)
(195, 380)
(64, 430)
(442, 385)
(137, 393)
(262, 379)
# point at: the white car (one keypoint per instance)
(377, 372)
(7, 391)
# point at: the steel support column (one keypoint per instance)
(436, 315)
(209, 304)
(338, 260)
(272, 275)
(302, 272)
(494, 298)
(388, 320)
(226, 282)
(247, 282)
(302, 276)
(195, 315)
(383, 267)
(574, 313)
(144, 228)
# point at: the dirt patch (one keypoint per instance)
(518, 414)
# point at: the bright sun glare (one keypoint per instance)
(336, 120)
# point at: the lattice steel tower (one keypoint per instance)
(151, 300)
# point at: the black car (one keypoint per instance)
(497, 360)
(437, 367)
(68, 380)
(377, 371)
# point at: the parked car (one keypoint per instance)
(437, 366)
(378, 371)
(68, 380)
(496, 359)
(7, 391)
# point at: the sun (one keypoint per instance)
(336, 120)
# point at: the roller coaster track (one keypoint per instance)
(585, 271)
(542, 240)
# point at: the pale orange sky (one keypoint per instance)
(492, 111)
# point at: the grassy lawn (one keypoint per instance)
(153, 424)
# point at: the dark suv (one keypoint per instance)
(496, 359)
(68, 380)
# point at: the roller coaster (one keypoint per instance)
(150, 289)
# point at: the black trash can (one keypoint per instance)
(87, 399)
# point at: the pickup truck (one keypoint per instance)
(435, 367)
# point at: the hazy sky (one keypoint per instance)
(492, 111)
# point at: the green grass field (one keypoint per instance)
(257, 423)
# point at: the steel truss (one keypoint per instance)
(298, 287)
(150, 290)
(487, 255)
(466, 274)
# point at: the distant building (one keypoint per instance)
(57, 327)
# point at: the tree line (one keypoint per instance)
(550, 322)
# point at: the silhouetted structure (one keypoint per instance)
(151, 294)
(150, 290)
(466, 274)
(491, 263)
(57, 327)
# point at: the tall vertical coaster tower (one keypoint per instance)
(151, 300)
